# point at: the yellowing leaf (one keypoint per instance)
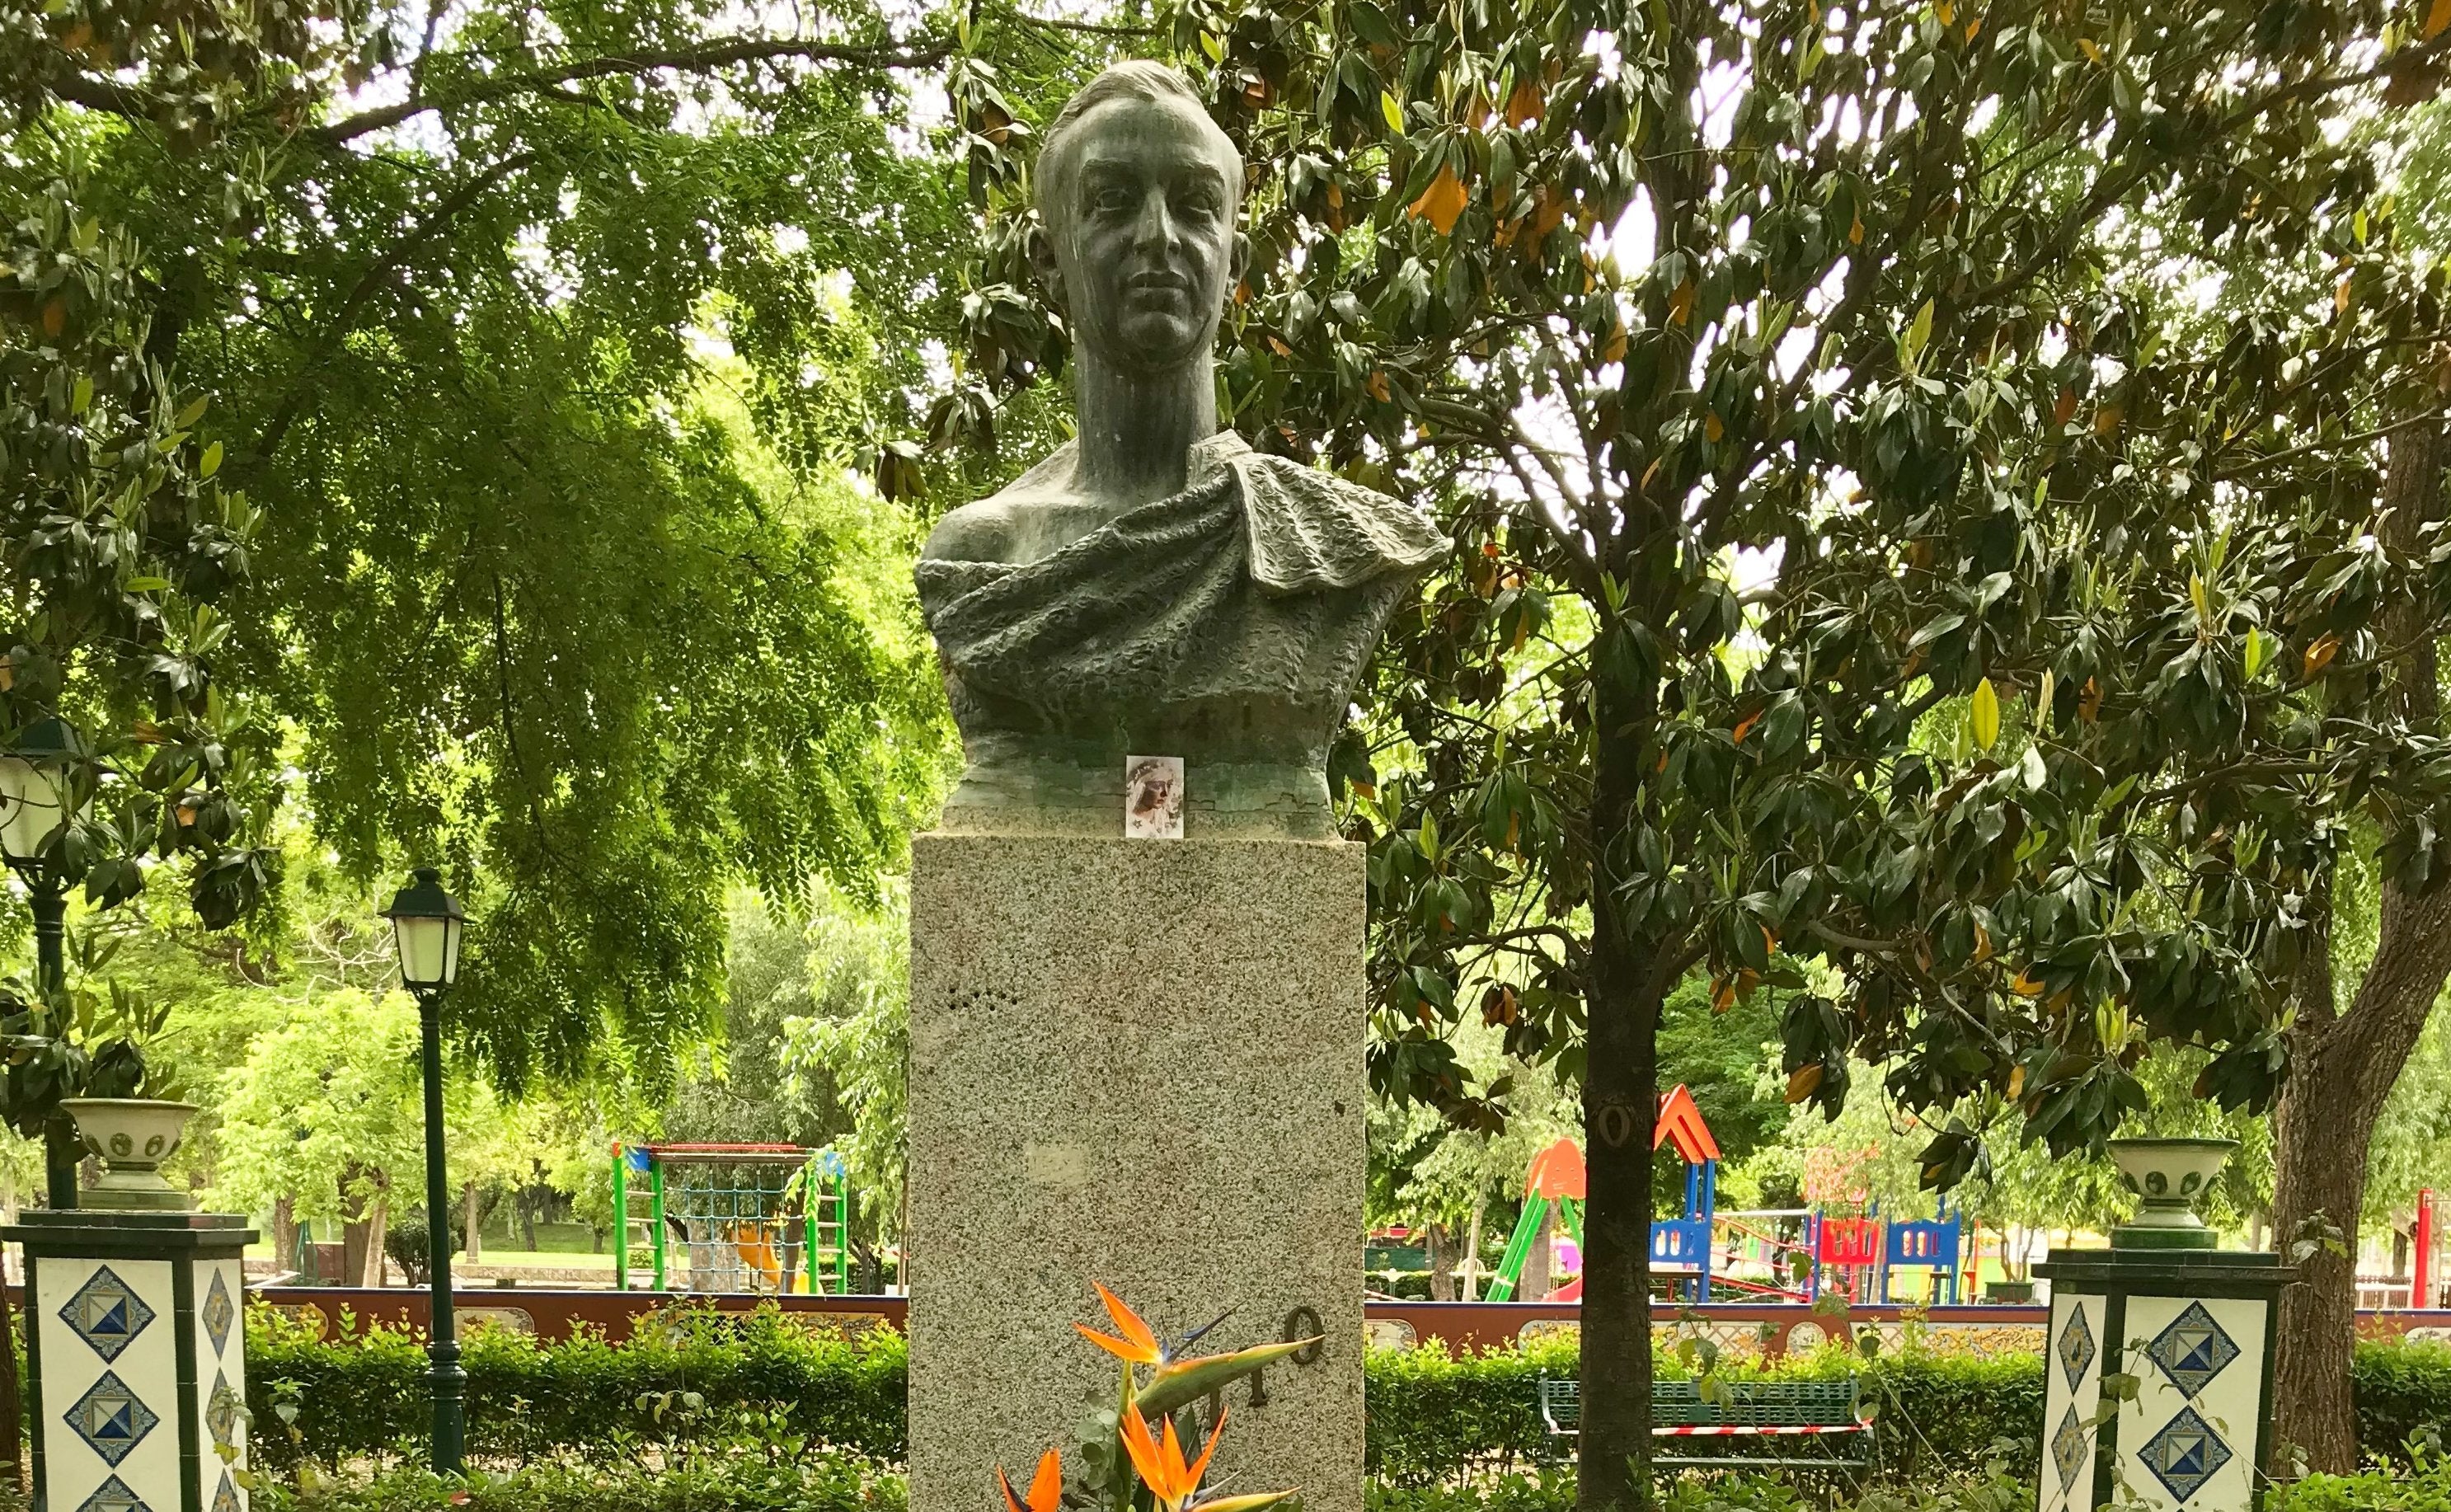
(1855, 233)
(1745, 727)
(1524, 106)
(1806, 1080)
(56, 317)
(2106, 419)
(2090, 51)
(2025, 986)
(1615, 348)
(1376, 385)
(1392, 112)
(1982, 944)
(1442, 201)
(1973, 29)
(1712, 427)
(1723, 996)
(2089, 702)
(2320, 655)
(1947, 13)
(2064, 410)
(2341, 296)
(2437, 15)
(1680, 304)
(1986, 714)
(2017, 1083)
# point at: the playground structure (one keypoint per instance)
(1799, 1254)
(764, 1220)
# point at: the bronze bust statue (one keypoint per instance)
(1155, 587)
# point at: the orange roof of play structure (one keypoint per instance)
(1558, 1171)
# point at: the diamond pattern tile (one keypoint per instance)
(222, 1410)
(2075, 1349)
(226, 1499)
(2192, 1349)
(113, 1496)
(2069, 1449)
(219, 1313)
(111, 1419)
(106, 1313)
(2185, 1454)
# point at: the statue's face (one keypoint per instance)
(1144, 243)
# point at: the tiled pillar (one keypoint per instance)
(2195, 1330)
(136, 1349)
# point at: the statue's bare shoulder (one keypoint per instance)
(982, 531)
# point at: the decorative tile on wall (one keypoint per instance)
(2072, 1390)
(221, 1374)
(2189, 1439)
(109, 1385)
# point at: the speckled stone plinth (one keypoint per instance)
(1137, 1062)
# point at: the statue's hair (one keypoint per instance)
(1138, 79)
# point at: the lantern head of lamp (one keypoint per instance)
(425, 923)
(36, 788)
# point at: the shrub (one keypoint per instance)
(693, 1376)
(687, 1376)
(826, 1483)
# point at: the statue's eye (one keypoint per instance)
(1112, 197)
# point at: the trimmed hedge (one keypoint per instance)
(688, 1376)
(693, 1377)
(1434, 1417)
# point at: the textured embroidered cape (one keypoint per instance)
(1226, 624)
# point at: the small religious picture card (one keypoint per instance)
(1152, 798)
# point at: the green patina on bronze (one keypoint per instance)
(1155, 587)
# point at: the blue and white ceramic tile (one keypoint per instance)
(113, 1496)
(2072, 1390)
(2187, 1441)
(109, 1425)
(221, 1369)
(105, 1313)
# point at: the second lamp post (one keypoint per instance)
(425, 924)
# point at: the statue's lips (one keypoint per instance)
(1169, 288)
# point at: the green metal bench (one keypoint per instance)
(1822, 1415)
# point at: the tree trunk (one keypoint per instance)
(1535, 1285)
(1472, 1257)
(1440, 1257)
(1621, 1105)
(2342, 1065)
(285, 1254)
(378, 1222)
(472, 1224)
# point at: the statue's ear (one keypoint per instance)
(1042, 263)
(1241, 264)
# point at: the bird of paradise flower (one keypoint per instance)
(1124, 1453)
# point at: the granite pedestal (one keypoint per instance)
(1136, 1062)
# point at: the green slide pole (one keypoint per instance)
(1519, 1248)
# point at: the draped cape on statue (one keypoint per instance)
(1226, 624)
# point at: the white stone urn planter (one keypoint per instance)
(2168, 1175)
(132, 1136)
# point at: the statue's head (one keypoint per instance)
(1139, 195)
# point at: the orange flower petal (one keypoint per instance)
(1128, 1323)
(1004, 1483)
(1200, 1467)
(1142, 1449)
(1047, 1487)
(1116, 1347)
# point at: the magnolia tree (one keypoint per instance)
(1918, 478)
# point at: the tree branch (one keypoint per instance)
(712, 56)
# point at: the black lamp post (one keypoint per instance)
(425, 923)
(37, 795)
